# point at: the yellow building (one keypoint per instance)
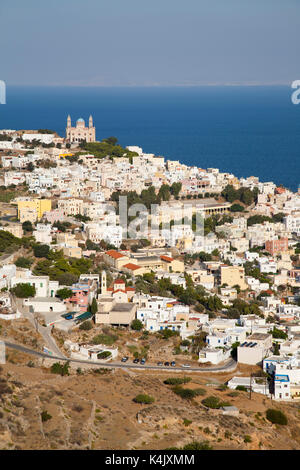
(40, 205)
(233, 276)
(27, 215)
(64, 155)
(72, 251)
(14, 229)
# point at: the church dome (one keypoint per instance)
(80, 123)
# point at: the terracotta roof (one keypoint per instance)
(114, 254)
(166, 258)
(131, 266)
(119, 281)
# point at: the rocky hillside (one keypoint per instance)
(93, 409)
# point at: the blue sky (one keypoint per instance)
(149, 42)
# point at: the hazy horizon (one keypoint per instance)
(148, 44)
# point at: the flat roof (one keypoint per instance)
(123, 307)
(44, 299)
(258, 336)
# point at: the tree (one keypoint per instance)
(61, 369)
(30, 166)
(164, 192)
(236, 208)
(136, 325)
(41, 251)
(91, 245)
(111, 140)
(64, 293)
(23, 290)
(27, 226)
(23, 262)
(175, 189)
(276, 349)
(279, 334)
(67, 279)
(94, 306)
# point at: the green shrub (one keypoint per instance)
(241, 388)
(86, 325)
(177, 380)
(104, 355)
(23, 290)
(144, 399)
(198, 446)
(233, 394)
(107, 339)
(166, 333)
(247, 438)
(185, 393)
(45, 416)
(41, 251)
(276, 416)
(64, 293)
(23, 262)
(61, 369)
(214, 402)
(136, 325)
(187, 422)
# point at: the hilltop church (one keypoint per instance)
(80, 133)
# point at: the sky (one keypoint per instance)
(149, 42)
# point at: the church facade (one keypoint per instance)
(80, 133)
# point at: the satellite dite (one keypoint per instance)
(2, 92)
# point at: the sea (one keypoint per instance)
(244, 130)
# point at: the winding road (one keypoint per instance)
(227, 367)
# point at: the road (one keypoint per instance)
(45, 331)
(228, 366)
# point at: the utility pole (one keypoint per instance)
(250, 384)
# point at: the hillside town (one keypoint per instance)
(101, 239)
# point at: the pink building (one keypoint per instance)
(80, 297)
(277, 246)
(54, 216)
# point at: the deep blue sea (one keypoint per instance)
(243, 130)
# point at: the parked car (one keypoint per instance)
(167, 363)
(135, 361)
(173, 363)
(124, 359)
(159, 363)
(186, 365)
(143, 360)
